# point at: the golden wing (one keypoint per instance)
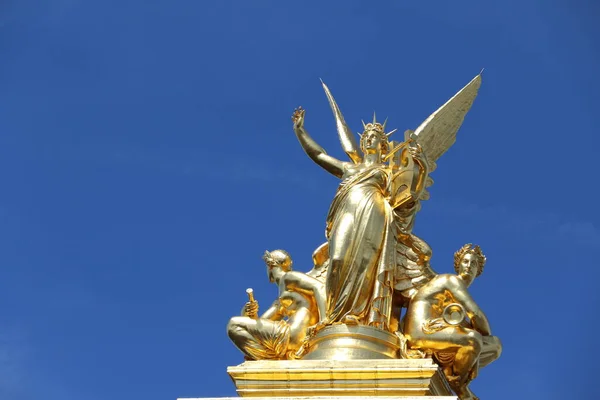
(438, 132)
(347, 139)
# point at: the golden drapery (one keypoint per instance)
(361, 234)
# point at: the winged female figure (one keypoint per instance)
(371, 213)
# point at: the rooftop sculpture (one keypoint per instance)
(372, 293)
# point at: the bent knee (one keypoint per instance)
(474, 340)
(495, 343)
(236, 324)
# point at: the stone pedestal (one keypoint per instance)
(343, 363)
(339, 378)
(384, 379)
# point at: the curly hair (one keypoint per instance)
(476, 251)
(279, 258)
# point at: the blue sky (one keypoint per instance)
(147, 160)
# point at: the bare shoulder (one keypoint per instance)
(291, 276)
(350, 169)
(446, 280)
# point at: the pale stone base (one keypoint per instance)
(328, 379)
(333, 398)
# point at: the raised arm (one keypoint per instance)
(314, 151)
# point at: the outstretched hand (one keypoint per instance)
(298, 117)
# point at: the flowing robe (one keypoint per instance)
(362, 236)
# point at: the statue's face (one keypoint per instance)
(371, 142)
(469, 265)
(271, 272)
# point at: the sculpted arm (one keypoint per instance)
(476, 315)
(312, 148)
(299, 282)
(419, 158)
(481, 324)
(274, 313)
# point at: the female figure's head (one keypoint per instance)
(374, 140)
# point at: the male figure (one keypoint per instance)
(443, 319)
(280, 331)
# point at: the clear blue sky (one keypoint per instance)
(147, 160)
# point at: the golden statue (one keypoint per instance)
(280, 332)
(443, 319)
(369, 224)
(372, 266)
(360, 229)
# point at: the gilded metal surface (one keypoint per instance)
(372, 266)
(370, 221)
(444, 320)
(352, 342)
(347, 378)
(280, 332)
(360, 227)
(332, 397)
(438, 132)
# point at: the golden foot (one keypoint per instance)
(351, 320)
